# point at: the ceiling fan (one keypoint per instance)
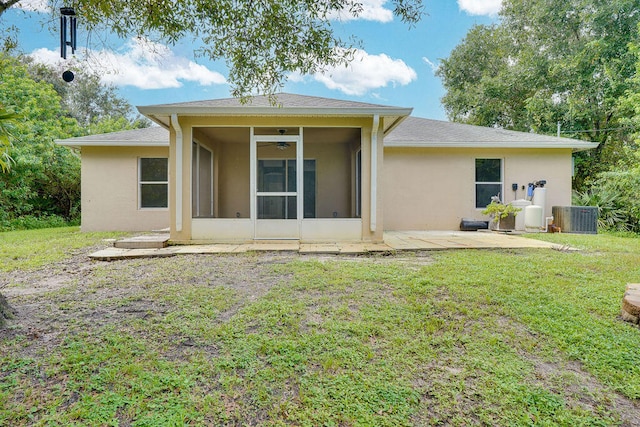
(280, 145)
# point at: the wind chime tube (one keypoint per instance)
(68, 19)
(73, 22)
(63, 37)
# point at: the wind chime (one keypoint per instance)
(68, 24)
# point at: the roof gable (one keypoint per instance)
(282, 100)
(287, 105)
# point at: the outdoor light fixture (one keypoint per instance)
(282, 145)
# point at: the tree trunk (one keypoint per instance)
(6, 312)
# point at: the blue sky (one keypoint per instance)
(395, 67)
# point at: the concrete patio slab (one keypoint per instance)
(205, 249)
(393, 241)
(433, 240)
(273, 245)
(114, 254)
(319, 248)
(378, 247)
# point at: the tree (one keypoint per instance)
(261, 41)
(6, 121)
(550, 61)
(484, 87)
(6, 312)
(5, 162)
(44, 181)
(97, 107)
(4, 5)
(41, 170)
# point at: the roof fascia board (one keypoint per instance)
(85, 143)
(582, 146)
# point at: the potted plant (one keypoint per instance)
(503, 217)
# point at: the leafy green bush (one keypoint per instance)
(31, 222)
(615, 193)
(42, 186)
(611, 216)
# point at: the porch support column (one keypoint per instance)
(253, 179)
(374, 173)
(178, 129)
(300, 180)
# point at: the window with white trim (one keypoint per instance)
(153, 182)
(488, 181)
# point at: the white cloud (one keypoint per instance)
(372, 10)
(33, 5)
(434, 67)
(367, 72)
(142, 64)
(480, 7)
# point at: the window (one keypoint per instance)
(153, 175)
(488, 181)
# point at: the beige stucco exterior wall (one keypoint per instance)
(434, 188)
(233, 180)
(333, 178)
(109, 185)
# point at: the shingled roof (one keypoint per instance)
(282, 100)
(286, 105)
(419, 132)
(152, 136)
(408, 131)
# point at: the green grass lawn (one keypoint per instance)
(30, 249)
(465, 337)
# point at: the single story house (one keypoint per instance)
(307, 168)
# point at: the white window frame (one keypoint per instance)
(476, 183)
(141, 183)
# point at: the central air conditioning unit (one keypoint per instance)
(576, 219)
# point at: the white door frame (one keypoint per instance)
(276, 228)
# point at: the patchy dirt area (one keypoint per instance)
(79, 295)
(79, 292)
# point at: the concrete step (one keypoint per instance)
(148, 241)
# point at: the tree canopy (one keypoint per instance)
(548, 62)
(260, 41)
(44, 179)
(6, 122)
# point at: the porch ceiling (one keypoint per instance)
(238, 135)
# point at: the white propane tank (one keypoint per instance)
(540, 199)
(533, 218)
(522, 204)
